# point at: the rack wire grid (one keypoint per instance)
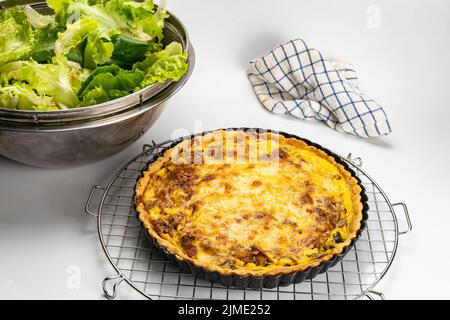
(136, 262)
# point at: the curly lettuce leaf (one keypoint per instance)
(75, 34)
(44, 48)
(99, 95)
(84, 41)
(45, 79)
(98, 51)
(16, 35)
(114, 31)
(170, 63)
(37, 20)
(76, 54)
(128, 50)
(111, 78)
(22, 97)
(135, 19)
(143, 20)
(173, 68)
(46, 33)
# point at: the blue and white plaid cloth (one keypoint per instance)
(297, 80)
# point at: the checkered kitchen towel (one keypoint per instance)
(296, 79)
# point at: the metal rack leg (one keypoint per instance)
(374, 295)
(357, 161)
(87, 208)
(408, 219)
(117, 280)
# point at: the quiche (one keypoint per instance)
(249, 204)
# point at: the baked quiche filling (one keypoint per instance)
(249, 204)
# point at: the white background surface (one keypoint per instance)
(404, 65)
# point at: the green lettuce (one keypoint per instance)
(113, 80)
(37, 20)
(75, 34)
(82, 42)
(116, 30)
(43, 50)
(44, 79)
(142, 19)
(99, 95)
(135, 19)
(128, 50)
(89, 52)
(23, 97)
(76, 54)
(16, 35)
(170, 63)
(98, 51)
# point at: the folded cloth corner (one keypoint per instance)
(295, 79)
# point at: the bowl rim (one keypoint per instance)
(129, 112)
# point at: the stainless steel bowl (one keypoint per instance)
(68, 138)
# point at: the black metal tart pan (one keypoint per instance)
(265, 281)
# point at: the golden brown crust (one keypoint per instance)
(183, 182)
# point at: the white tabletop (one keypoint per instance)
(402, 61)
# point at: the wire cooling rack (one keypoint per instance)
(137, 263)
